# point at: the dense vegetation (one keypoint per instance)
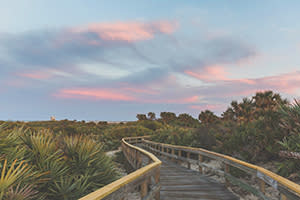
(256, 130)
(65, 159)
(43, 165)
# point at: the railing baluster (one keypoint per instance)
(144, 188)
(188, 155)
(227, 171)
(283, 197)
(200, 158)
(173, 153)
(156, 178)
(262, 186)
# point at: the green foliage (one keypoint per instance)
(41, 165)
(207, 117)
(149, 124)
(112, 137)
(186, 120)
(167, 117)
(203, 137)
(173, 135)
(141, 117)
(290, 122)
(151, 115)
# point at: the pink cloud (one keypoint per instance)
(209, 74)
(192, 99)
(122, 94)
(213, 107)
(127, 31)
(96, 94)
(39, 75)
(288, 83)
(158, 99)
(215, 73)
(141, 90)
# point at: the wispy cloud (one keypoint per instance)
(94, 94)
(126, 31)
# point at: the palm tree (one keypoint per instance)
(267, 100)
(207, 117)
(151, 115)
(246, 109)
(229, 115)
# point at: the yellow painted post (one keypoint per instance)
(200, 158)
(188, 157)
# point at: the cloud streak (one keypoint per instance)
(126, 31)
(94, 94)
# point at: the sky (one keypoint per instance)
(111, 59)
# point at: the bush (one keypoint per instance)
(48, 166)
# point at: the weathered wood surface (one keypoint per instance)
(178, 183)
(287, 189)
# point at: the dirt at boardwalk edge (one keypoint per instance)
(123, 170)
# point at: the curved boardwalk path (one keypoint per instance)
(180, 183)
(161, 178)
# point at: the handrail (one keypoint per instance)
(142, 177)
(287, 188)
(147, 175)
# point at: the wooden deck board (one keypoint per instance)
(179, 183)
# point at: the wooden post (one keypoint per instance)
(227, 171)
(200, 158)
(173, 154)
(139, 160)
(156, 178)
(179, 156)
(262, 186)
(283, 197)
(144, 189)
(188, 157)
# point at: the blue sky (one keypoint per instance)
(109, 60)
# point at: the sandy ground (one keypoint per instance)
(122, 172)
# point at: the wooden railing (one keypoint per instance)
(145, 180)
(286, 189)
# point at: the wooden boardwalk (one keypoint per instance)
(180, 183)
(162, 179)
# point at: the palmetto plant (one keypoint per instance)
(71, 187)
(14, 180)
(85, 157)
(290, 121)
(21, 193)
(41, 165)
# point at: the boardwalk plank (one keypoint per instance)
(179, 183)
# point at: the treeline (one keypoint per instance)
(263, 128)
